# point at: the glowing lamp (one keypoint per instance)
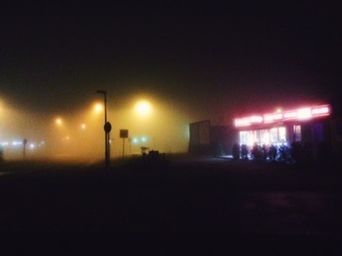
(58, 121)
(98, 108)
(143, 108)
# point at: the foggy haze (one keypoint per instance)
(78, 134)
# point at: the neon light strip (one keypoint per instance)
(300, 114)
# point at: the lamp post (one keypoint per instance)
(107, 128)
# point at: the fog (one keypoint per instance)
(78, 133)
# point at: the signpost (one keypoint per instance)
(24, 148)
(123, 135)
(107, 128)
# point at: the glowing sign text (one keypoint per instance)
(300, 114)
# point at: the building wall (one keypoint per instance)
(206, 139)
(222, 139)
(199, 142)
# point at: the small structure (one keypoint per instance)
(208, 139)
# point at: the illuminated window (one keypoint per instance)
(264, 137)
(243, 137)
(273, 136)
(282, 135)
(248, 138)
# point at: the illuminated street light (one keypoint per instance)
(98, 108)
(143, 108)
(59, 121)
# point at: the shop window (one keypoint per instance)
(275, 136)
(282, 135)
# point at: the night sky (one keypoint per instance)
(210, 59)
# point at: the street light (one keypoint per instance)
(143, 108)
(107, 128)
(58, 121)
(98, 108)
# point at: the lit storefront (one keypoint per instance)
(309, 124)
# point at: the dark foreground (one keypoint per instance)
(243, 199)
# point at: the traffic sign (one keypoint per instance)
(107, 127)
(123, 133)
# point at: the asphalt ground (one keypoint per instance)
(240, 198)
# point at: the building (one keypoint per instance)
(312, 127)
(307, 125)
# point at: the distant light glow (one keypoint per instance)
(300, 114)
(32, 146)
(66, 138)
(16, 143)
(143, 139)
(135, 140)
(83, 126)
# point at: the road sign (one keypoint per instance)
(107, 127)
(123, 133)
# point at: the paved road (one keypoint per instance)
(242, 198)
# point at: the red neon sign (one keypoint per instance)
(300, 114)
